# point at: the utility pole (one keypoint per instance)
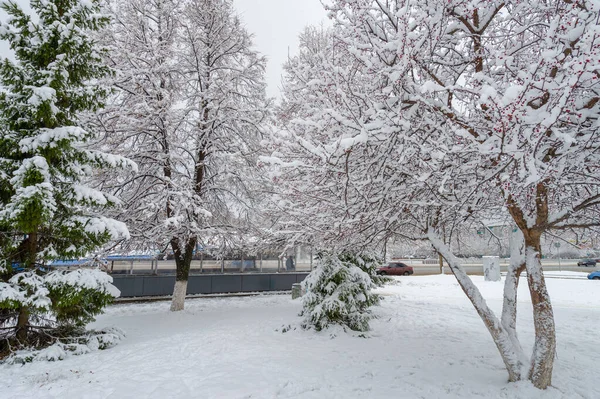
(557, 245)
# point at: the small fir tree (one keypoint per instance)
(338, 291)
(46, 209)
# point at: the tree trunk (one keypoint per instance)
(544, 349)
(28, 257)
(179, 292)
(22, 325)
(509, 353)
(183, 260)
(511, 285)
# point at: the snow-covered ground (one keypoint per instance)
(564, 274)
(428, 342)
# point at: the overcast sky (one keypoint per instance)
(275, 24)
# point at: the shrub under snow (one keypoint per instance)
(338, 291)
(72, 346)
(59, 306)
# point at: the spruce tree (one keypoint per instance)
(46, 208)
(338, 291)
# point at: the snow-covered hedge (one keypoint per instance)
(338, 291)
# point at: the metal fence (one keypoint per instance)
(162, 285)
(257, 264)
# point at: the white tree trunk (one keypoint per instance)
(511, 284)
(179, 292)
(510, 355)
(509, 310)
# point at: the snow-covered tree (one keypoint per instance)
(514, 90)
(142, 118)
(189, 112)
(338, 291)
(460, 110)
(47, 208)
(319, 190)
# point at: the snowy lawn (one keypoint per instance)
(428, 342)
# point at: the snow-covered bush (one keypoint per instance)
(72, 346)
(338, 291)
(58, 305)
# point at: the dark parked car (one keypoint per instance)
(395, 269)
(587, 262)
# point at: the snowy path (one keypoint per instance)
(427, 343)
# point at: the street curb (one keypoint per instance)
(118, 301)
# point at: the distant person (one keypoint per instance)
(289, 263)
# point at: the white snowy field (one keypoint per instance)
(427, 342)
